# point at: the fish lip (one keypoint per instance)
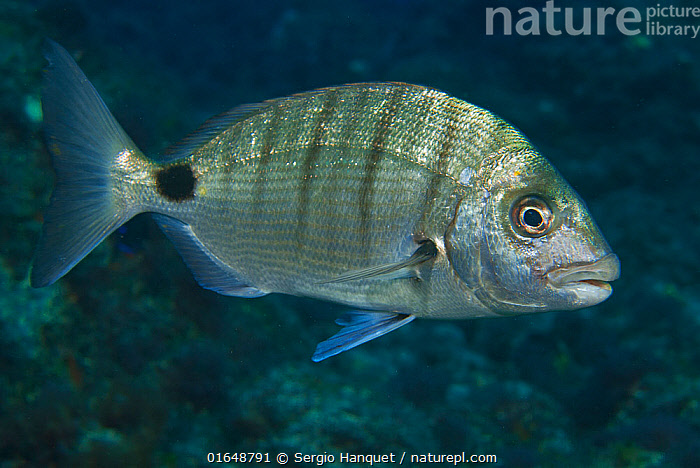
(594, 274)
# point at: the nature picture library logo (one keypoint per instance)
(657, 20)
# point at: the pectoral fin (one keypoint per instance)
(359, 327)
(404, 269)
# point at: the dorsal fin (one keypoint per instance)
(215, 125)
(209, 129)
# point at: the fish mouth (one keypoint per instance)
(588, 281)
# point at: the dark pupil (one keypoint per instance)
(532, 218)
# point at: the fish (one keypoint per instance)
(398, 201)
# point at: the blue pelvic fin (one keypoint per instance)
(209, 271)
(84, 139)
(359, 327)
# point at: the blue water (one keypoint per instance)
(126, 361)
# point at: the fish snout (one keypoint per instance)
(588, 282)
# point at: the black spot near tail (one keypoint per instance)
(176, 183)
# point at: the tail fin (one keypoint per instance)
(84, 139)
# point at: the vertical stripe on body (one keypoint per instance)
(377, 147)
(357, 116)
(330, 101)
(265, 156)
(443, 158)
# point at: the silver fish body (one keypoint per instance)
(392, 198)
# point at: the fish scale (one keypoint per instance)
(392, 198)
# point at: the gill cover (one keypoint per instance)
(478, 254)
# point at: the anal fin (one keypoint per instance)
(209, 271)
(359, 327)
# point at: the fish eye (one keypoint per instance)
(531, 216)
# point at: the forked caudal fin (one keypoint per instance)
(84, 139)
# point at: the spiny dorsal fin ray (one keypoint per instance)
(359, 327)
(210, 129)
(403, 269)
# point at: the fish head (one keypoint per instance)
(524, 241)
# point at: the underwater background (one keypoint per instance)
(126, 361)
